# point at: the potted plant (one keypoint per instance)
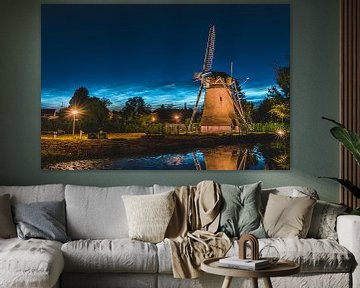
(351, 141)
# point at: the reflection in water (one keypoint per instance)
(270, 156)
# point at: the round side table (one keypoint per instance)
(281, 268)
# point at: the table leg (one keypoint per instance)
(267, 283)
(254, 282)
(227, 282)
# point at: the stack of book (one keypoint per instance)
(248, 264)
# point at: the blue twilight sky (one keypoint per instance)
(152, 51)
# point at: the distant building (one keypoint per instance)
(49, 114)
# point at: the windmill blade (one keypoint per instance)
(195, 106)
(210, 48)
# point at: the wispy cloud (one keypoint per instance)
(155, 94)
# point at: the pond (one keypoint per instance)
(272, 156)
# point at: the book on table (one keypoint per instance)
(236, 262)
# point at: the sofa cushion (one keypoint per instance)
(313, 255)
(98, 213)
(117, 255)
(323, 222)
(43, 220)
(149, 215)
(287, 216)
(291, 191)
(240, 210)
(36, 193)
(7, 226)
(30, 263)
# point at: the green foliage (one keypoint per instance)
(351, 141)
(283, 79)
(135, 108)
(276, 105)
(80, 97)
(348, 138)
(269, 127)
(281, 111)
(347, 184)
(355, 211)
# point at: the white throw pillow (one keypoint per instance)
(149, 215)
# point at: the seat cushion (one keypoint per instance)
(313, 255)
(30, 263)
(98, 213)
(117, 255)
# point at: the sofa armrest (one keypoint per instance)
(348, 230)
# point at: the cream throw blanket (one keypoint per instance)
(191, 231)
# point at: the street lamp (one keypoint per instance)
(176, 118)
(74, 112)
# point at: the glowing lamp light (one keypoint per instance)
(280, 133)
(176, 117)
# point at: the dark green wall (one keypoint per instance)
(314, 76)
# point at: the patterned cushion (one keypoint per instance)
(323, 223)
(149, 215)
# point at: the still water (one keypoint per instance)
(273, 156)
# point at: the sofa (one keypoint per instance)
(100, 253)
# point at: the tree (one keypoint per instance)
(281, 111)
(135, 107)
(276, 104)
(80, 97)
(93, 111)
(283, 80)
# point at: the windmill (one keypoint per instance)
(223, 112)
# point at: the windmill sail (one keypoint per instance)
(208, 59)
(210, 48)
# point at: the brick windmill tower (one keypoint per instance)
(222, 111)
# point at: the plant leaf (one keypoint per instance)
(347, 184)
(349, 139)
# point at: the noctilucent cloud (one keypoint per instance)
(152, 51)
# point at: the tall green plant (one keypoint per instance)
(351, 141)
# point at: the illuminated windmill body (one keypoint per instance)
(222, 112)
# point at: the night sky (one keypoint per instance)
(152, 51)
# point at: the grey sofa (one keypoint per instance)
(101, 255)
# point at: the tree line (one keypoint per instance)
(138, 116)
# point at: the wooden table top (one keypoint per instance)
(281, 268)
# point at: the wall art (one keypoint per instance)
(165, 87)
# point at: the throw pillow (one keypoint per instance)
(149, 215)
(240, 213)
(43, 220)
(7, 227)
(323, 222)
(288, 217)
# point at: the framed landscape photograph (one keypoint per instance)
(165, 87)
